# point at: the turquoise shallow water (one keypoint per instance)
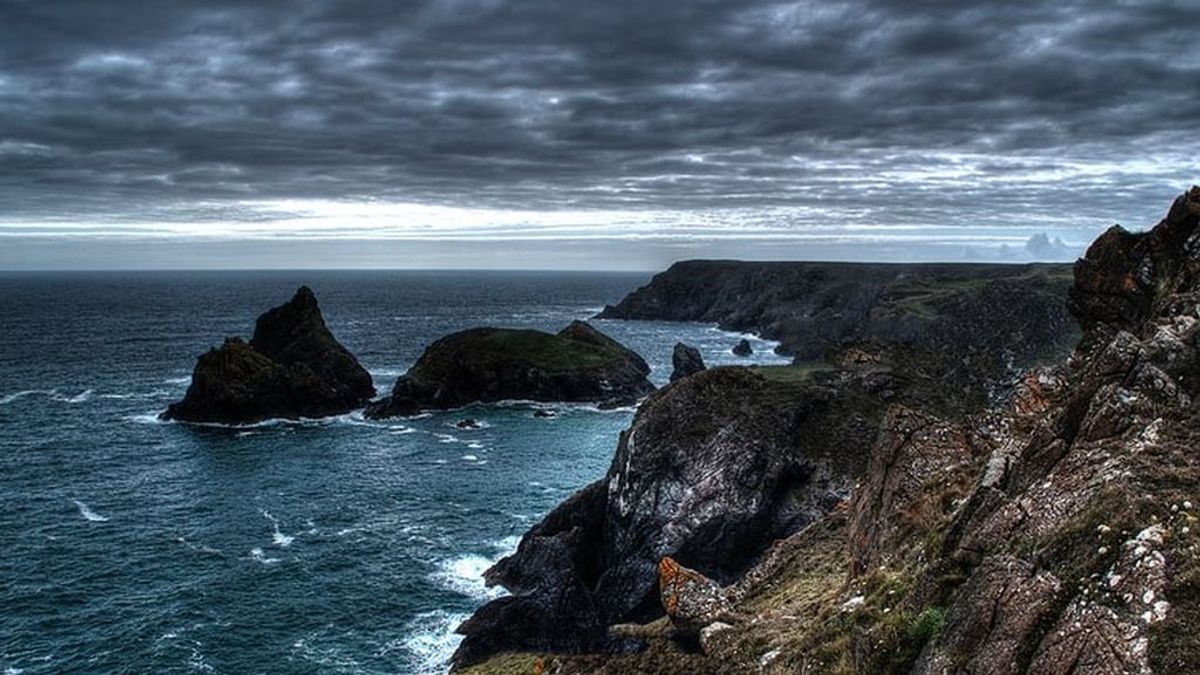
(339, 545)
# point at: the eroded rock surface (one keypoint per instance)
(685, 361)
(292, 367)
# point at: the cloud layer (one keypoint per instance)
(682, 121)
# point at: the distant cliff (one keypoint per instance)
(810, 307)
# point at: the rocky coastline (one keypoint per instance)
(864, 517)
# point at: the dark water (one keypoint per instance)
(341, 545)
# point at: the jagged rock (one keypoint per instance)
(685, 360)
(743, 348)
(712, 470)
(579, 364)
(1108, 453)
(292, 367)
(919, 468)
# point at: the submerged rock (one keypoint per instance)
(579, 364)
(743, 348)
(468, 423)
(292, 367)
(685, 360)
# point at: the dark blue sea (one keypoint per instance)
(129, 545)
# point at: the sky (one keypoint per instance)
(570, 134)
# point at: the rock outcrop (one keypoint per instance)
(712, 470)
(483, 365)
(292, 367)
(685, 361)
(743, 348)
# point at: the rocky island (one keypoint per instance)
(292, 367)
(863, 518)
(486, 365)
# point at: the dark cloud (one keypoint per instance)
(986, 114)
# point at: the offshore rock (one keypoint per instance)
(292, 367)
(743, 348)
(685, 360)
(486, 365)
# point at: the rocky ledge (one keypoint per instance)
(292, 367)
(482, 365)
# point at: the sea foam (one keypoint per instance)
(88, 513)
(431, 641)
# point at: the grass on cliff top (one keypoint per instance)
(497, 347)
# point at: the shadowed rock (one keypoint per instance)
(685, 360)
(292, 367)
(743, 348)
(579, 364)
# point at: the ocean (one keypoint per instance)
(343, 545)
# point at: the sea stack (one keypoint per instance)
(686, 360)
(743, 348)
(292, 367)
(485, 365)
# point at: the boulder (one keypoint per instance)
(486, 365)
(292, 367)
(685, 360)
(743, 348)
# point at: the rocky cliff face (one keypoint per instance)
(994, 315)
(579, 364)
(714, 468)
(1054, 535)
(292, 367)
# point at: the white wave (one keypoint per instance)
(78, 398)
(470, 458)
(401, 430)
(88, 513)
(199, 548)
(446, 438)
(147, 418)
(157, 393)
(464, 575)
(256, 554)
(277, 537)
(178, 380)
(430, 641)
(28, 392)
(386, 372)
(475, 445)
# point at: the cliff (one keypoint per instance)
(1055, 534)
(1012, 310)
(292, 367)
(578, 364)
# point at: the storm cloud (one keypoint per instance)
(881, 126)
